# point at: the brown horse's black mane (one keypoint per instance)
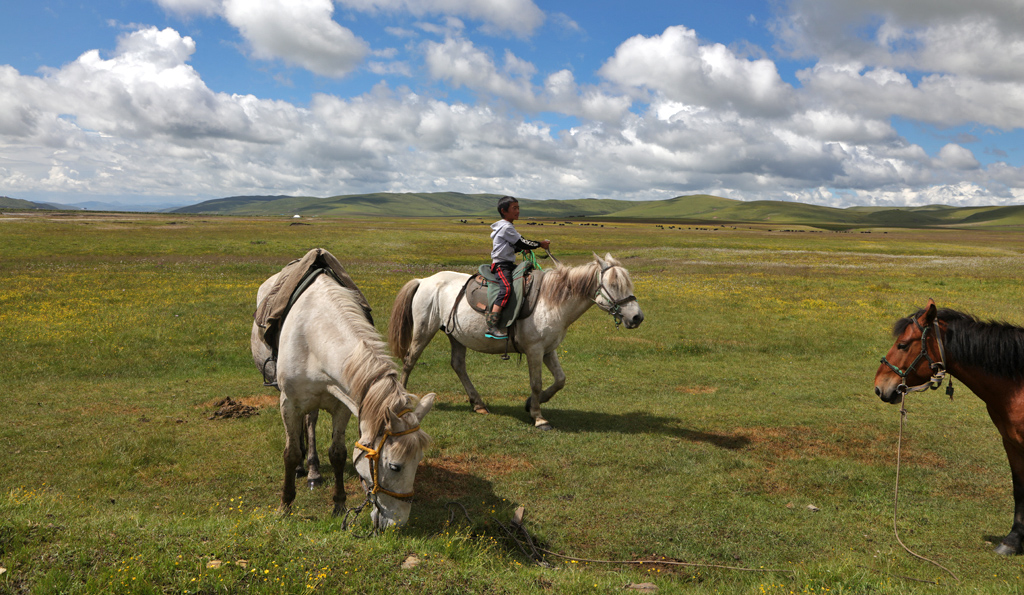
(996, 348)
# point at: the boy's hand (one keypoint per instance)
(545, 243)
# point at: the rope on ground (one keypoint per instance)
(896, 496)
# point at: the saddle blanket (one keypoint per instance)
(482, 291)
(294, 278)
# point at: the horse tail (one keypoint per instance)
(400, 326)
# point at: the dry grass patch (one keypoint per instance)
(865, 445)
(445, 477)
(697, 390)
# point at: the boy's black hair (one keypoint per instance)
(504, 203)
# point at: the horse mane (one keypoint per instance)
(996, 348)
(564, 282)
(371, 373)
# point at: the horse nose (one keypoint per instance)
(878, 391)
(638, 319)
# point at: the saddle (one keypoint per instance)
(293, 280)
(482, 290)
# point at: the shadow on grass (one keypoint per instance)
(451, 501)
(634, 422)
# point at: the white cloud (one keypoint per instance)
(953, 156)
(462, 64)
(936, 99)
(300, 32)
(901, 32)
(976, 47)
(676, 65)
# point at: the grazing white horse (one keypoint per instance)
(330, 357)
(424, 305)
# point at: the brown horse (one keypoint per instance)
(988, 357)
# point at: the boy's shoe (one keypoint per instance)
(496, 333)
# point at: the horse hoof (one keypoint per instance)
(545, 427)
(481, 409)
(315, 483)
(1004, 550)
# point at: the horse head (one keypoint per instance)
(386, 458)
(615, 292)
(916, 360)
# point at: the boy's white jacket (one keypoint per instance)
(504, 237)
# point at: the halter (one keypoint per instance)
(374, 456)
(615, 309)
(938, 367)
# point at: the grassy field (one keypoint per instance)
(736, 427)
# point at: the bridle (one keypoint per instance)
(938, 367)
(615, 306)
(373, 455)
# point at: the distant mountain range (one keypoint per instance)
(699, 208)
(693, 209)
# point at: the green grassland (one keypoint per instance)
(693, 208)
(705, 436)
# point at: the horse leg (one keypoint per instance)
(459, 365)
(1011, 544)
(300, 471)
(420, 339)
(551, 361)
(313, 478)
(292, 420)
(337, 454)
(536, 383)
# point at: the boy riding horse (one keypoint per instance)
(506, 242)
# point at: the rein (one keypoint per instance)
(938, 367)
(896, 491)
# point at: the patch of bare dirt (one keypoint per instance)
(697, 390)
(871, 446)
(453, 477)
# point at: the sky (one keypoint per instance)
(830, 102)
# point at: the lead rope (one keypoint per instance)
(896, 496)
(354, 511)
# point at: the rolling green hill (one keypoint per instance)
(694, 208)
(7, 202)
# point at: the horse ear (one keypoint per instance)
(423, 408)
(393, 421)
(604, 265)
(929, 312)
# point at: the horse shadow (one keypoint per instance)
(635, 422)
(451, 503)
(447, 501)
(450, 497)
